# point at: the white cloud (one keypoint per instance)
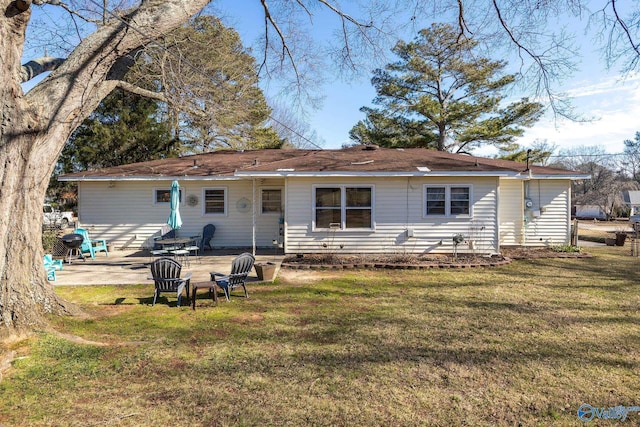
(613, 103)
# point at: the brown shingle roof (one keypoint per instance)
(226, 163)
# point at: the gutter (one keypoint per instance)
(94, 178)
(241, 175)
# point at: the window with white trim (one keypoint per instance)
(447, 200)
(163, 195)
(343, 207)
(271, 201)
(214, 201)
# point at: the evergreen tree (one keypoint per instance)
(123, 129)
(211, 84)
(442, 95)
(538, 154)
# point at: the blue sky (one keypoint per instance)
(612, 101)
(608, 99)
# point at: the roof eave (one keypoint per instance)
(273, 174)
(94, 178)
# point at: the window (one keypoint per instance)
(271, 201)
(163, 195)
(343, 207)
(215, 201)
(436, 201)
(447, 200)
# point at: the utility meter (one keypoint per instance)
(528, 203)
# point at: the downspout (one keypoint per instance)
(523, 210)
(525, 216)
(253, 217)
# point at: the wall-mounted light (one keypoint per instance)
(112, 184)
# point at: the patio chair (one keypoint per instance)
(240, 268)
(149, 245)
(171, 234)
(89, 245)
(56, 263)
(50, 266)
(207, 234)
(194, 246)
(165, 272)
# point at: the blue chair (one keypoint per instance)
(207, 234)
(50, 266)
(91, 246)
(56, 263)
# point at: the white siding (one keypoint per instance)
(126, 216)
(548, 222)
(510, 212)
(398, 206)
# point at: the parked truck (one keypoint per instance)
(54, 218)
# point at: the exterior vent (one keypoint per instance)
(370, 147)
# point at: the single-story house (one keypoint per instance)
(632, 199)
(362, 199)
(589, 212)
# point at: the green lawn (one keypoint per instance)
(525, 343)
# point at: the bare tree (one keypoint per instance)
(604, 188)
(292, 127)
(35, 126)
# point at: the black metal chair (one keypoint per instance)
(171, 234)
(240, 268)
(165, 273)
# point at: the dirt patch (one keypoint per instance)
(410, 261)
(404, 261)
(544, 252)
(292, 275)
(248, 318)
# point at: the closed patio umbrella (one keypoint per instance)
(174, 219)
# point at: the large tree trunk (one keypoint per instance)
(33, 131)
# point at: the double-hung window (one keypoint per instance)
(215, 201)
(271, 201)
(447, 200)
(343, 207)
(163, 195)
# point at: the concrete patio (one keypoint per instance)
(132, 267)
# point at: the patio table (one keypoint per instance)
(174, 241)
(203, 285)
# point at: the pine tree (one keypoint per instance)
(442, 95)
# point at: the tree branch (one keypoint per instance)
(286, 52)
(461, 21)
(38, 66)
(159, 96)
(544, 72)
(634, 46)
(22, 5)
(78, 85)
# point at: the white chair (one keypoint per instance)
(193, 247)
(149, 245)
(181, 254)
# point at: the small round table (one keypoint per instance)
(211, 286)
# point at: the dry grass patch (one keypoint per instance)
(523, 344)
